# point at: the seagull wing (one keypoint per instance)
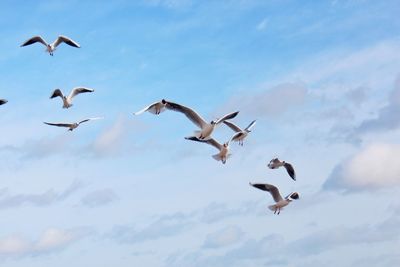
(148, 108)
(227, 117)
(3, 101)
(65, 39)
(56, 93)
(270, 188)
(248, 128)
(188, 112)
(290, 170)
(68, 125)
(33, 40)
(233, 126)
(90, 119)
(79, 90)
(210, 141)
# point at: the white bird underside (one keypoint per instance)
(155, 108)
(193, 116)
(72, 126)
(67, 100)
(274, 191)
(51, 47)
(240, 134)
(223, 149)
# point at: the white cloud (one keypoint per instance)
(375, 166)
(51, 239)
(13, 245)
(54, 238)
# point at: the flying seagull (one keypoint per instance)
(3, 101)
(276, 163)
(240, 134)
(51, 47)
(67, 100)
(223, 154)
(71, 126)
(279, 201)
(155, 108)
(206, 128)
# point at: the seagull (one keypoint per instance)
(71, 126)
(51, 47)
(276, 163)
(223, 154)
(155, 108)
(3, 101)
(240, 134)
(206, 128)
(67, 100)
(280, 202)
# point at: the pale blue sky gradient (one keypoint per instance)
(321, 79)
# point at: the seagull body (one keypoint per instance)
(279, 201)
(3, 101)
(155, 108)
(67, 100)
(276, 163)
(71, 126)
(206, 128)
(51, 47)
(240, 134)
(223, 154)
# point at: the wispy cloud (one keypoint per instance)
(224, 237)
(8, 200)
(99, 198)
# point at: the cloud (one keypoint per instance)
(215, 212)
(41, 148)
(114, 140)
(46, 198)
(373, 167)
(164, 226)
(333, 238)
(271, 102)
(387, 117)
(224, 237)
(51, 239)
(99, 198)
(302, 250)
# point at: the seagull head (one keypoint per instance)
(213, 122)
(163, 101)
(293, 196)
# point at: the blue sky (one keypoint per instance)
(321, 79)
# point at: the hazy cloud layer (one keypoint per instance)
(99, 197)
(387, 117)
(275, 247)
(271, 102)
(224, 237)
(8, 200)
(373, 167)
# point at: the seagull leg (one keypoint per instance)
(279, 211)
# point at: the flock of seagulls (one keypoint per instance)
(202, 135)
